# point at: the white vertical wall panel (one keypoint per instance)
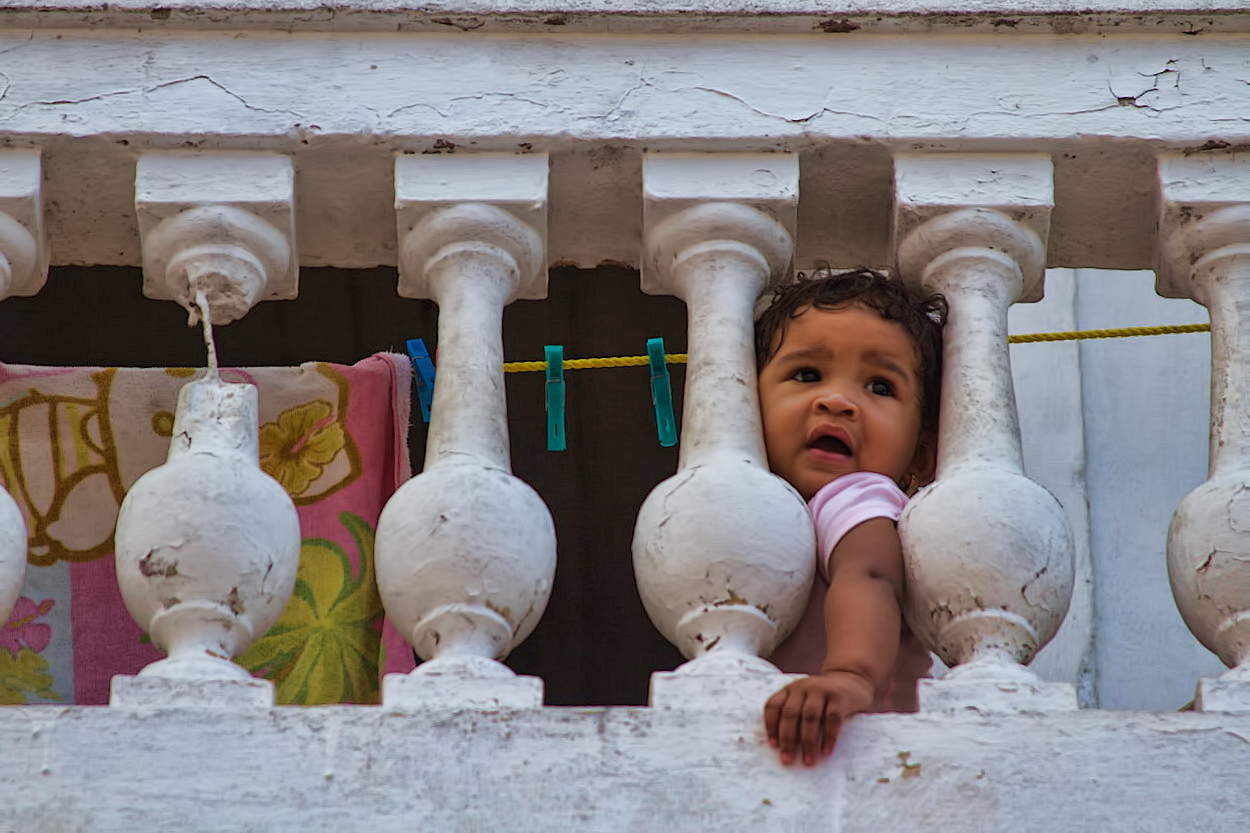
(1048, 396)
(1117, 429)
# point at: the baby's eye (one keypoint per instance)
(806, 374)
(880, 387)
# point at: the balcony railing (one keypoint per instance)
(222, 151)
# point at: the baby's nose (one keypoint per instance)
(837, 400)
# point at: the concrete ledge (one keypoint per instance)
(370, 768)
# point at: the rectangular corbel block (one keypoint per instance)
(21, 199)
(675, 181)
(1191, 188)
(168, 183)
(1020, 185)
(513, 182)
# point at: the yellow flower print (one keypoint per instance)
(25, 671)
(296, 449)
(326, 646)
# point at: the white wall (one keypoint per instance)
(1120, 449)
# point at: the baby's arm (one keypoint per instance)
(863, 619)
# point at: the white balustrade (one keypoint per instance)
(466, 552)
(23, 270)
(989, 553)
(1204, 254)
(723, 549)
(207, 544)
(224, 222)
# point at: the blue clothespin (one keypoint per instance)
(661, 393)
(425, 375)
(555, 397)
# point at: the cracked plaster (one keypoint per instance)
(595, 103)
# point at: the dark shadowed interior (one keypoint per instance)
(595, 644)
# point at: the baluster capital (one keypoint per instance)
(223, 221)
(700, 205)
(23, 244)
(1204, 218)
(496, 200)
(953, 208)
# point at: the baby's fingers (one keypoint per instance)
(785, 711)
(833, 727)
(813, 730)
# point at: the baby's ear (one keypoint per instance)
(924, 461)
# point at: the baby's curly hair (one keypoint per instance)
(921, 317)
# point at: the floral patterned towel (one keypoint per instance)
(74, 440)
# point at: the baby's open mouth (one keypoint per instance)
(832, 445)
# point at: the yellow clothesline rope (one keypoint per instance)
(680, 358)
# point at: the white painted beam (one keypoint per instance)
(836, 18)
(341, 106)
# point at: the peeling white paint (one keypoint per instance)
(1203, 249)
(341, 106)
(337, 768)
(723, 549)
(207, 544)
(466, 552)
(988, 552)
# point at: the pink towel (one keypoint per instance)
(75, 439)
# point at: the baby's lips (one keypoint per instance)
(835, 431)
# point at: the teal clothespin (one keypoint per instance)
(425, 375)
(555, 397)
(661, 393)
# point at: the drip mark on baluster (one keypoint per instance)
(202, 311)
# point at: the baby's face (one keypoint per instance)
(841, 394)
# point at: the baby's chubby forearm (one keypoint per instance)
(863, 620)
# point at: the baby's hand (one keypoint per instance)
(809, 713)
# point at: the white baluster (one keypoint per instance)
(23, 270)
(207, 544)
(1204, 254)
(989, 553)
(723, 550)
(466, 552)
(225, 221)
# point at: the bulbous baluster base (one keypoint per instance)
(1230, 692)
(722, 679)
(465, 558)
(198, 672)
(207, 551)
(724, 554)
(462, 681)
(1206, 567)
(994, 683)
(987, 595)
(719, 537)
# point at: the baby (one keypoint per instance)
(849, 378)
